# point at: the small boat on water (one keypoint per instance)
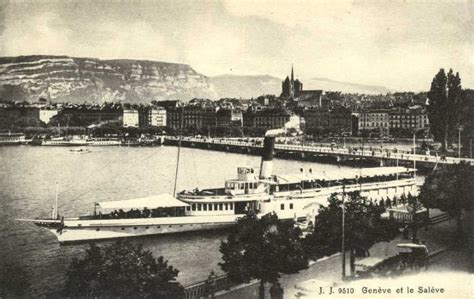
(79, 151)
(291, 196)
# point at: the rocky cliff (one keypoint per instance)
(78, 80)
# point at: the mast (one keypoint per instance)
(397, 163)
(181, 114)
(414, 153)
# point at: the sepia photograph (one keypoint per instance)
(236, 149)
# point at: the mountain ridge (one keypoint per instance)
(81, 79)
(229, 82)
(352, 83)
(63, 78)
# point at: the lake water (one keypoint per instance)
(27, 190)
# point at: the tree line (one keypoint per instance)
(450, 109)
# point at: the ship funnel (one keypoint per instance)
(266, 165)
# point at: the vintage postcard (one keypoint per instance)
(236, 149)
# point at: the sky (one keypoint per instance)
(397, 44)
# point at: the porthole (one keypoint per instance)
(147, 227)
(159, 226)
(97, 229)
(135, 227)
(123, 228)
(169, 225)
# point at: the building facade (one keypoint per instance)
(341, 121)
(131, 118)
(409, 119)
(45, 114)
(311, 98)
(317, 120)
(272, 118)
(157, 117)
(374, 123)
(188, 117)
(336, 121)
(85, 116)
(228, 117)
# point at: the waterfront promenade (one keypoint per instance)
(382, 156)
(437, 237)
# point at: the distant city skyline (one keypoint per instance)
(395, 44)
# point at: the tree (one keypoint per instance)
(449, 189)
(445, 106)
(28, 121)
(63, 120)
(363, 227)
(467, 118)
(14, 281)
(121, 270)
(262, 249)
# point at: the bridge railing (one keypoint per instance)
(354, 151)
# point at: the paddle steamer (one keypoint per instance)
(291, 196)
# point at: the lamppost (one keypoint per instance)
(56, 202)
(343, 243)
(211, 282)
(470, 148)
(413, 206)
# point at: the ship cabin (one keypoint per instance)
(237, 197)
(247, 182)
(307, 181)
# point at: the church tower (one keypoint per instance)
(292, 83)
(290, 87)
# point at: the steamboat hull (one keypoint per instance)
(76, 231)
